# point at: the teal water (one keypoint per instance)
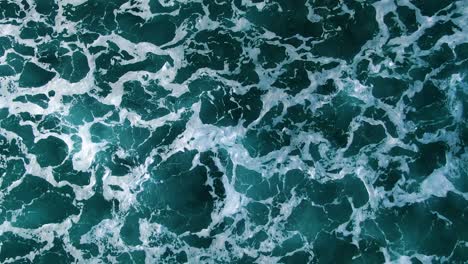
(243, 131)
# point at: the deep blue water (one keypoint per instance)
(243, 131)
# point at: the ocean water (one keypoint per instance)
(233, 131)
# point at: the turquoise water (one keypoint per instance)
(243, 131)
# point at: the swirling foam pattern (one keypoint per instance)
(233, 131)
